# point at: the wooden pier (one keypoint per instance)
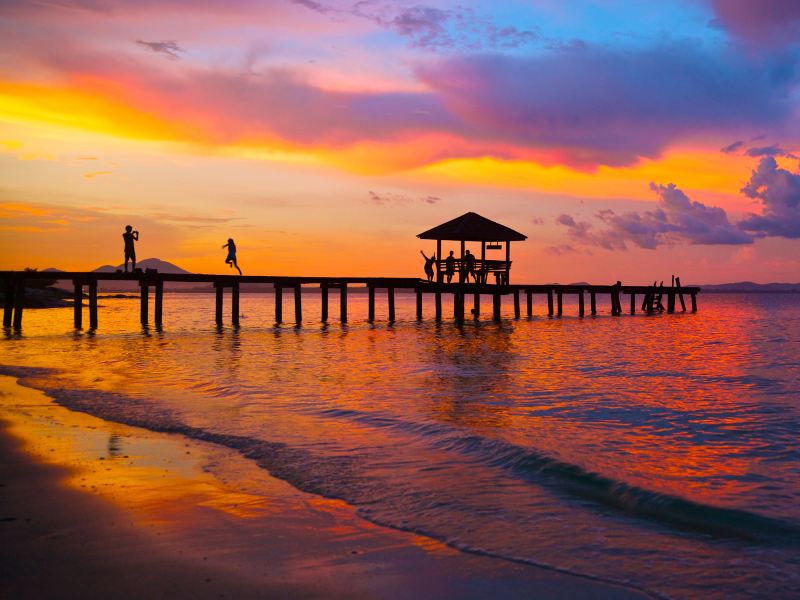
(14, 287)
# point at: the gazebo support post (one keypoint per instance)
(439, 275)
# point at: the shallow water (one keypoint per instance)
(658, 451)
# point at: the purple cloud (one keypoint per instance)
(602, 106)
(731, 148)
(169, 47)
(676, 219)
(760, 21)
(778, 190)
(773, 150)
(391, 199)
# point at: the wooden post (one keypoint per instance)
(671, 301)
(390, 293)
(458, 306)
(496, 306)
(278, 305)
(8, 305)
(235, 303)
(419, 304)
(93, 304)
(439, 274)
(77, 303)
(508, 262)
(549, 303)
(593, 302)
(218, 303)
(298, 305)
(560, 302)
(694, 302)
(530, 303)
(324, 291)
(476, 305)
(680, 293)
(343, 303)
(438, 299)
(145, 299)
(516, 304)
(580, 303)
(371, 302)
(19, 303)
(633, 303)
(158, 311)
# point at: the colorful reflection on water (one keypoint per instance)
(658, 451)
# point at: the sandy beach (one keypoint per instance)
(90, 508)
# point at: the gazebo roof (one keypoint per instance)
(471, 227)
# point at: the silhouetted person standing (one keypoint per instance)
(231, 259)
(450, 266)
(469, 266)
(130, 236)
(428, 265)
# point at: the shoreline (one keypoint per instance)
(99, 508)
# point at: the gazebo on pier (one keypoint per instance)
(472, 227)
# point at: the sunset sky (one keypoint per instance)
(628, 140)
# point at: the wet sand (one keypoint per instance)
(96, 509)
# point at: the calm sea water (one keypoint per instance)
(658, 451)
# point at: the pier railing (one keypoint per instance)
(13, 285)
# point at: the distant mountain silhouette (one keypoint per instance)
(749, 286)
(148, 263)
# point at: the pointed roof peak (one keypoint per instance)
(472, 227)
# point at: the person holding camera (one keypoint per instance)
(130, 236)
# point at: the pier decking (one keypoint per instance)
(14, 288)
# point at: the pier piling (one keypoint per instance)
(530, 302)
(516, 304)
(343, 303)
(476, 306)
(324, 291)
(496, 300)
(19, 303)
(580, 304)
(593, 302)
(278, 306)
(680, 293)
(8, 304)
(93, 304)
(234, 303)
(158, 309)
(298, 305)
(218, 303)
(438, 301)
(419, 304)
(77, 304)
(371, 303)
(390, 294)
(633, 303)
(560, 302)
(549, 303)
(145, 299)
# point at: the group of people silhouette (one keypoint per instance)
(131, 235)
(467, 268)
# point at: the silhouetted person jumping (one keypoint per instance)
(130, 236)
(428, 265)
(231, 259)
(450, 266)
